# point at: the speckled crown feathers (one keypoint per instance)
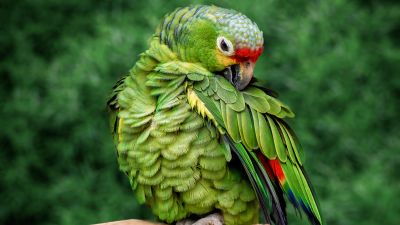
(245, 32)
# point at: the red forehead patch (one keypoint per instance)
(245, 54)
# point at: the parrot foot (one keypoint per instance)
(212, 219)
(185, 222)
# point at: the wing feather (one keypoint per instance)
(260, 125)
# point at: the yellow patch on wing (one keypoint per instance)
(195, 102)
(120, 120)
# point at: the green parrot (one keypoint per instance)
(196, 136)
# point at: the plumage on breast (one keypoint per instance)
(175, 160)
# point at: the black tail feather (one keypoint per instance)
(276, 194)
(278, 212)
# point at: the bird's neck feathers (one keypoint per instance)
(163, 74)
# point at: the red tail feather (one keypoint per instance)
(276, 167)
(272, 167)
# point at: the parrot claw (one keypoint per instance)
(212, 219)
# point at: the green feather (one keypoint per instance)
(275, 107)
(239, 104)
(169, 98)
(232, 124)
(247, 129)
(295, 145)
(279, 147)
(203, 85)
(160, 76)
(255, 98)
(195, 77)
(266, 139)
(256, 125)
(213, 84)
(226, 91)
(179, 67)
(288, 144)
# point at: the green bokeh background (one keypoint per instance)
(336, 63)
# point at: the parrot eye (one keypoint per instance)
(225, 46)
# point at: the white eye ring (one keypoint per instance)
(225, 46)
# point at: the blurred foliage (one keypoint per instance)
(335, 62)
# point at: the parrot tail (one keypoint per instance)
(261, 183)
(275, 172)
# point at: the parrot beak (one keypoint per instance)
(245, 74)
(240, 74)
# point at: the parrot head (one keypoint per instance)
(223, 41)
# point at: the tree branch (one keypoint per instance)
(137, 222)
(130, 222)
